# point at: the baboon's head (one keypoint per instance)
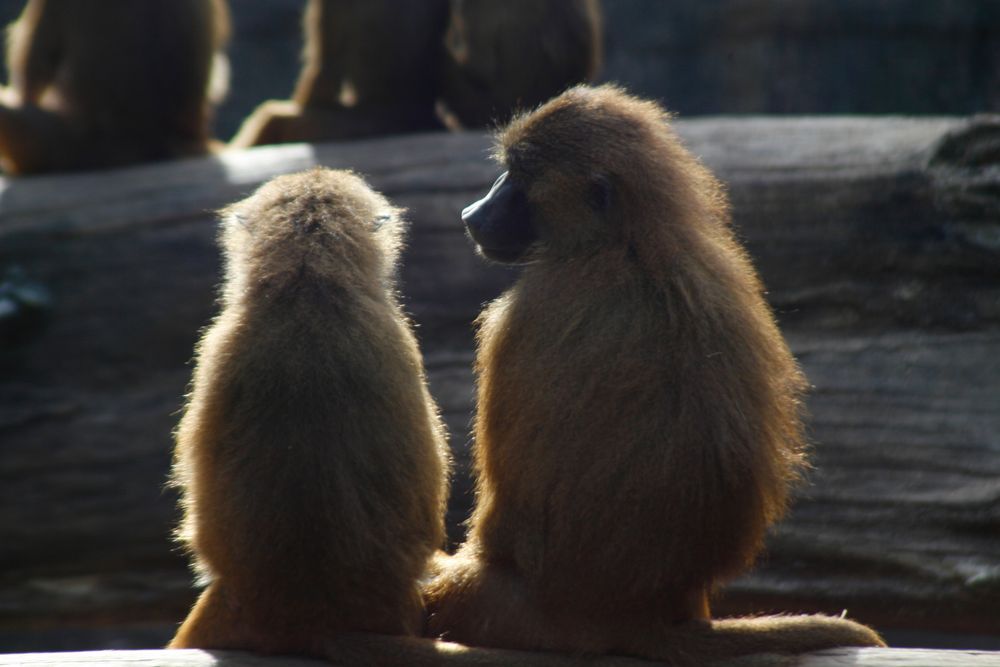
(328, 224)
(591, 169)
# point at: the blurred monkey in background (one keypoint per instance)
(502, 57)
(110, 83)
(369, 68)
(377, 67)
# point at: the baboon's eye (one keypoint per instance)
(381, 220)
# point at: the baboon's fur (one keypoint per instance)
(374, 67)
(369, 68)
(502, 57)
(110, 83)
(638, 420)
(311, 456)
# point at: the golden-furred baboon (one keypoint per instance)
(369, 68)
(638, 417)
(502, 57)
(311, 456)
(109, 83)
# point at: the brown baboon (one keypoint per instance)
(109, 83)
(505, 56)
(369, 69)
(638, 409)
(376, 67)
(311, 456)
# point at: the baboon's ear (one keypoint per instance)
(600, 193)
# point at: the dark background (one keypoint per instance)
(720, 56)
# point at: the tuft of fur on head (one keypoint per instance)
(325, 222)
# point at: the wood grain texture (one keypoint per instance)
(879, 240)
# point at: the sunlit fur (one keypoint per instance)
(638, 421)
(109, 83)
(311, 456)
(505, 56)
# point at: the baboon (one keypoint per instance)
(638, 421)
(506, 56)
(369, 69)
(375, 67)
(110, 83)
(311, 457)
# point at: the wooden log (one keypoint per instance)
(437, 653)
(862, 219)
(464, 657)
(878, 239)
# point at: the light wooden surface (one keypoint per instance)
(447, 655)
(877, 238)
(478, 658)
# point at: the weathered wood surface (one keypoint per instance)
(482, 658)
(457, 656)
(879, 240)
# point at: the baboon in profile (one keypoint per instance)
(110, 83)
(638, 417)
(369, 69)
(502, 57)
(311, 456)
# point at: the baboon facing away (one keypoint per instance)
(638, 422)
(370, 68)
(109, 83)
(311, 457)
(374, 67)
